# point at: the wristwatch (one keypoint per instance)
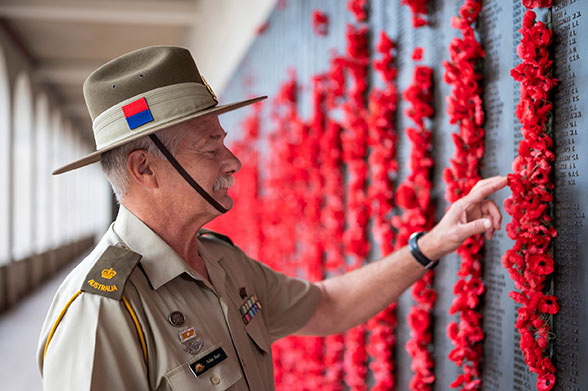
(416, 251)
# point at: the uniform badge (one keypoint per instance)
(193, 347)
(137, 113)
(243, 293)
(186, 335)
(176, 318)
(108, 273)
(249, 309)
(209, 89)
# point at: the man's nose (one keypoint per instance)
(232, 163)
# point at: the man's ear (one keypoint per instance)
(140, 165)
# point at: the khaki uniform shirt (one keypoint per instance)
(98, 342)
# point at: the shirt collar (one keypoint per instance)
(159, 261)
(212, 259)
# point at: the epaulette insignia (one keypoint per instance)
(211, 234)
(111, 272)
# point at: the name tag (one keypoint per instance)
(205, 363)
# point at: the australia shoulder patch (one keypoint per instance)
(110, 273)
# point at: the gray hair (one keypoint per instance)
(114, 162)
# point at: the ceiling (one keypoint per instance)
(66, 39)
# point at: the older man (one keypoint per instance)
(161, 304)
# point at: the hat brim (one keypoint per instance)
(95, 156)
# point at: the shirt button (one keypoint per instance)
(215, 380)
(122, 245)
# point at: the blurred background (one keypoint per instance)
(47, 49)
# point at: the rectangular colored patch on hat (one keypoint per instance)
(137, 113)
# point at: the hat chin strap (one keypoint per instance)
(185, 175)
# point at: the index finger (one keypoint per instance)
(485, 187)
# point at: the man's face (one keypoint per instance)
(205, 157)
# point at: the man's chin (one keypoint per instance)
(226, 201)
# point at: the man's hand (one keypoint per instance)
(470, 215)
(356, 296)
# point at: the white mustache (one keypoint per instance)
(223, 182)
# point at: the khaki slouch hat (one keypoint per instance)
(142, 92)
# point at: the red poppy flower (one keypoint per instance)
(357, 7)
(531, 198)
(545, 382)
(320, 22)
(419, 10)
(414, 197)
(548, 305)
(541, 263)
(537, 3)
(465, 109)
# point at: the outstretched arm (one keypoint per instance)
(355, 297)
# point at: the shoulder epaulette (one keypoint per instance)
(214, 235)
(111, 272)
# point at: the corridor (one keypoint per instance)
(19, 332)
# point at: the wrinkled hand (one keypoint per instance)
(470, 215)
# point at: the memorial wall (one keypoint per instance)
(295, 46)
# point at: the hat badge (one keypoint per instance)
(209, 89)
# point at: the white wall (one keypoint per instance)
(221, 35)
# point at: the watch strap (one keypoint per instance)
(417, 253)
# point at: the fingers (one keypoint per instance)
(484, 188)
(478, 226)
(489, 209)
(485, 216)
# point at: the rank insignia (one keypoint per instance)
(207, 362)
(186, 335)
(249, 309)
(108, 273)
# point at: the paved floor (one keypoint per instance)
(19, 333)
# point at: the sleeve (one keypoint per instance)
(288, 302)
(94, 347)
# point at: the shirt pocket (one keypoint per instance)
(219, 377)
(258, 333)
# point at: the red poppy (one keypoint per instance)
(419, 11)
(541, 263)
(382, 161)
(320, 22)
(413, 196)
(357, 7)
(531, 262)
(465, 109)
(545, 382)
(548, 305)
(537, 3)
